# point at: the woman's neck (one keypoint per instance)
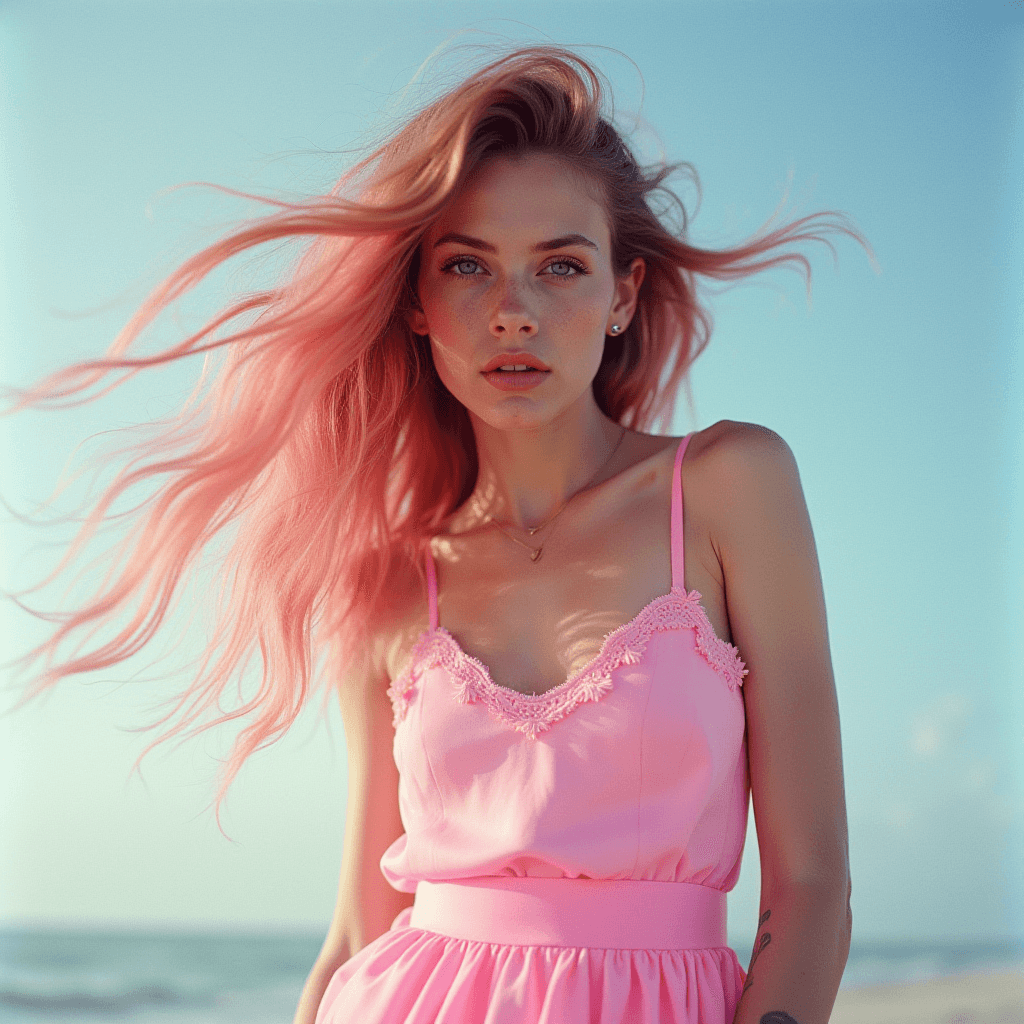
(526, 476)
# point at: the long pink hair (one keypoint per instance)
(325, 450)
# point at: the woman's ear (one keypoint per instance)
(414, 313)
(627, 291)
(416, 320)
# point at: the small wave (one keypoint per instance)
(79, 1002)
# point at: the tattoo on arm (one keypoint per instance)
(776, 1016)
(759, 944)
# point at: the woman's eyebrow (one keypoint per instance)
(554, 243)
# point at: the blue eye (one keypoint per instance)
(578, 267)
(461, 261)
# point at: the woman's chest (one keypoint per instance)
(533, 624)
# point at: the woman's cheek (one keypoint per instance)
(453, 361)
(452, 314)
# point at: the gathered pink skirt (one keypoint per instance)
(524, 950)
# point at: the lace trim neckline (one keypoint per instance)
(535, 713)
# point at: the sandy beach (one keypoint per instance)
(961, 999)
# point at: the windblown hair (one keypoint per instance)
(326, 451)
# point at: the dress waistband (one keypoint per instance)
(601, 913)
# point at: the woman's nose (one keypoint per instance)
(511, 315)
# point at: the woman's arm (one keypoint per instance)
(366, 904)
(777, 618)
(316, 984)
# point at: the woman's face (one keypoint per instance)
(521, 261)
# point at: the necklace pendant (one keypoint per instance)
(536, 555)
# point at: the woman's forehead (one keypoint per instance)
(523, 196)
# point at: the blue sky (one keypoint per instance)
(899, 392)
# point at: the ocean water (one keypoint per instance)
(176, 978)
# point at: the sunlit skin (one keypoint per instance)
(536, 448)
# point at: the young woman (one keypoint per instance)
(431, 446)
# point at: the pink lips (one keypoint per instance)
(514, 359)
(521, 380)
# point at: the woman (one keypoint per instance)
(431, 446)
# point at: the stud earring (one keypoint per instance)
(615, 328)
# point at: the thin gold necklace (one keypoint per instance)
(535, 553)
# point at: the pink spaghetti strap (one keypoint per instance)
(678, 555)
(431, 587)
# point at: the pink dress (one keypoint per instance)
(570, 851)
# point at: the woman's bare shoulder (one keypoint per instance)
(401, 621)
(736, 468)
(732, 438)
(718, 456)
